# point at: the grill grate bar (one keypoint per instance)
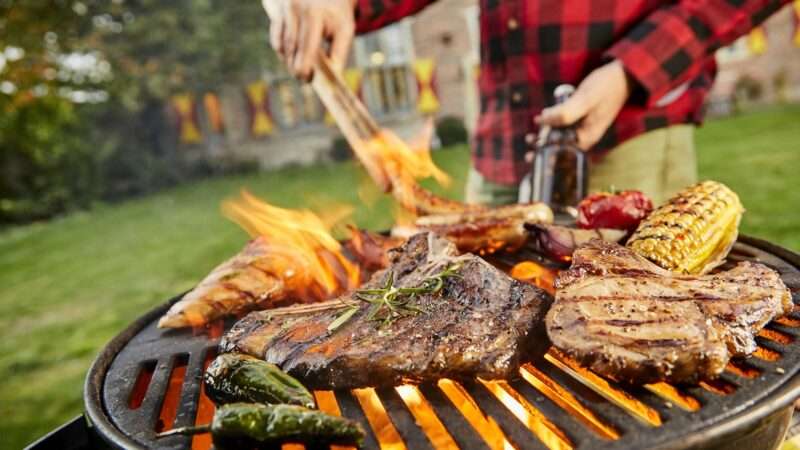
(404, 422)
(486, 426)
(673, 395)
(570, 429)
(151, 406)
(382, 426)
(350, 409)
(539, 424)
(426, 417)
(606, 410)
(571, 406)
(605, 388)
(464, 434)
(519, 435)
(191, 397)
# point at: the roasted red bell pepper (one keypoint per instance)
(621, 211)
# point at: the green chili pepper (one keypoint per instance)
(249, 424)
(234, 377)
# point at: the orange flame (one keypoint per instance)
(530, 272)
(303, 253)
(403, 164)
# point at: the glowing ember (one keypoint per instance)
(303, 253)
(530, 272)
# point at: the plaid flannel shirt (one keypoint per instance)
(528, 47)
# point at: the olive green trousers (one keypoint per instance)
(659, 163)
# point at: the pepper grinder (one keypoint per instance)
(559, 170)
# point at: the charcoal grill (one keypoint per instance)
(147, 380)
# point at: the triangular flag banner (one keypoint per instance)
(353, 78)
(188, 131)
(757, 41)
(257, 94)
(796, 10)
(214, 112)
(424, 71)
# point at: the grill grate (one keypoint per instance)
(153, 381)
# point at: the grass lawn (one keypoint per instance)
(67, 286)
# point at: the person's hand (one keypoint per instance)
(594, 105)
(298, 27)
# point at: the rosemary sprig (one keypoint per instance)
(389, 302)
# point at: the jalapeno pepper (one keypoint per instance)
(620, 211)
(234, 377)
(245, 425)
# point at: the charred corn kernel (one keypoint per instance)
(693, 232)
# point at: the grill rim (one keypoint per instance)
(779, 399)
(95, 379)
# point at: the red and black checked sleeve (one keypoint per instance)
(673, 43)
(374, 14)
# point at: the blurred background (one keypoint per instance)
(124, 124)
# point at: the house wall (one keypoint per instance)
(782, 56)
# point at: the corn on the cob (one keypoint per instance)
(693, 232)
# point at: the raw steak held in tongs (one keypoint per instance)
(480, 322)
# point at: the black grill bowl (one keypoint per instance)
(755, 414)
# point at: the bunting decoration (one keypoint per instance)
(261, 123)
(427, 101)
(213, 108)
(757, 41)
(188, 130)
(796, 11)
(353, 78)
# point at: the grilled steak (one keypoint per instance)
(480, 323)
(625, 317)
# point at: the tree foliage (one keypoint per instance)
(86, 117)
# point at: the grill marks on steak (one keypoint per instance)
(482, 323)
(625, 317)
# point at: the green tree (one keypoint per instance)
(70, 133)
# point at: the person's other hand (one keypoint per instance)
(297, 28)
(593, 106)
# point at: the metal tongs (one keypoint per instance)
(351, 116)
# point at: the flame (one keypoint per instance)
(617, 396)
(552, 437)
(403, 164)
(303, 253)
(326, 402)
(426, 417)
(385, 433)
(530, 272)
(672, 394)
(563, 398)
(486, 426)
